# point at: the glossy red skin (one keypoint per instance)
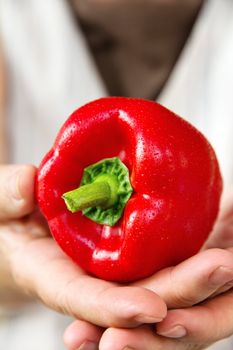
(174, 174)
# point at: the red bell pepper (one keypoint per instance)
(150, 188)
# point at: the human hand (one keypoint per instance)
(41, 269)
(222, 235)
(203, 279)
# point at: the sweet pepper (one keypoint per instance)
(129, 188)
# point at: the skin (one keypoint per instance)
(41, 269)
(200, 288)
(29, 257)
(120, 312)
(106, 312)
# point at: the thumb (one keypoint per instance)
(205, 323)
(16, 191)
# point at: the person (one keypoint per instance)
(50, 76)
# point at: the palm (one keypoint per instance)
(41, 268)
(183, 287)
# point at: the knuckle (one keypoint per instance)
(179, 296)
(23, 207)
(181, 300)
(122, 304)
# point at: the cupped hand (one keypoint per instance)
(197, 292)
(41, 269)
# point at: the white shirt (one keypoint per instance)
(201, 85)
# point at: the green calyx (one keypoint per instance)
(104, 191)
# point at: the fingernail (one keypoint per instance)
(175, 332)
(14, 184)
(147, 319)
(221, 276)
(88, 346)
(223, 289)
(229, 284)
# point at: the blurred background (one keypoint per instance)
(56, 55)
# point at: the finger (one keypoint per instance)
(81, 334)
(40, 267)
(16, 190)
(223, 289)
(221, 236)
(205, 323)
(139, 338)
(193, 280)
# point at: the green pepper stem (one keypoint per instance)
(101, 193)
